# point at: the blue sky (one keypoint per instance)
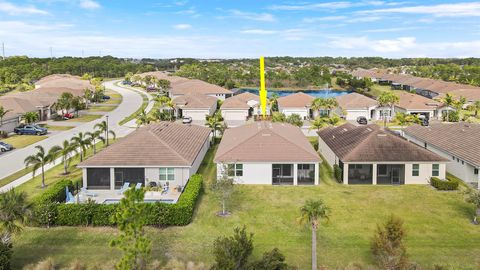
(243, 28)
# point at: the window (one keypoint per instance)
(415, 170)
(425, 145)
(382, 170)
(235, 169)
(167, 174)
(463, 162)
(435, 170)
(475, 171)
(453, 157)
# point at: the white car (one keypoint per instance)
(187, 120)
(4, 147)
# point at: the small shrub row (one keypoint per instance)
(54, 213)
(338, 173)
(55, 193)
(448, 184)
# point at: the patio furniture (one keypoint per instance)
(152, 184)
(124, 188)
(69, 196)
(165, 189)
(88, 193)
(138, 186)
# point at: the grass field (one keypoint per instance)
(137, 112)
(85, 118)
(101, 108)
(438, 226)
(57, 128)
(20, 141)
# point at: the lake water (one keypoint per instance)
(315, 93)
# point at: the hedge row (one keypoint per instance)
(56, 213)
(444, 184)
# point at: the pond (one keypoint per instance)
(315, 93)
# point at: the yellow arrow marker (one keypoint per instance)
(263, 91)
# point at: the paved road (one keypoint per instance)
(13, 161)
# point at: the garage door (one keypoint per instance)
(196, 115)
(352, 115)
(234, 115)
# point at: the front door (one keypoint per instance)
(395, 176)
(119, 179)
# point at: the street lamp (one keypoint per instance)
(106, 131)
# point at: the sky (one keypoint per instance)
(240, 29)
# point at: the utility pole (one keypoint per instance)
(3, 50)
(51, 53)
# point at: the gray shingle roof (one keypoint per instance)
(459, 139)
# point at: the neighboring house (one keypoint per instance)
(354, 105)
(298, 103)
(199, 87)
(372, 155)
(162, 153)
(459, 142)
(197, 106)
(269, 154)
(237, 109)
(415, 104)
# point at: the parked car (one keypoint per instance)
(127, 83)
(30, 130)
(4, 147)
(362, 120)
(106, 97)
(67, 116)
(187, 120)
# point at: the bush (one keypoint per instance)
(449, 184)
(50, 209)
(5, 255)
(338, 173)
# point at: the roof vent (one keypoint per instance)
(382, 135)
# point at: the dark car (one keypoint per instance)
(4, 147)
(362, 120)
(127, 83)
(106, 97)
(30, 130)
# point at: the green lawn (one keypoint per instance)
(137, 112)
(84, 118)
(101, 108)
(377, 89)
(437, 223)
(57, 128)
(20, 141)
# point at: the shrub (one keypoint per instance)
(55, 193)
(338, 173)
(5, 255)
(387, 245)
(449, 184)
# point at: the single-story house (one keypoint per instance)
(458, 142)
(198, 87)
(416, 104)
(353, 105)
(237, 109)
(372, 155)
(166, 152)
(298, 103)
(194, 105)
(269, 154)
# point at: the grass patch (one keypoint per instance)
(20, 141)
(137, 112)
(84, 118)
(57, 128)
(12, 177)
(101, 108)
(437, 223)
(377, 89)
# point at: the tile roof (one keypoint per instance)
(459, 139)
(197, 86)
(16, 106)
(195, 101)
(240, 101)
(297, 100)
(164, 76)
(373, 144)
(162, 144)
(265, 142)
(354, 100)
(411, 101)
(58, 81)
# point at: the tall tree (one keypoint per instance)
(93, 137)
(130, 219)
(449, 101)
(103, 128)
(387, 245)
(273, 102)
(232, 252)
(82, 142)
(311, 213)
(318, 123)
(40, 159)
(64, 102)
(3, 112)
(143, 119)
(30, 117)
(475, 107)
(387, 99)
(88, 96)
(65, 151)
(223, 188)
(214, 122)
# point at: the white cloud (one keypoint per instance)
(182, 26)
(315, 6)
(259, 32)
(380, 46)
(13, 9)
(265, 17)
(323, 19)
(471, 9)
(89, 4)
(13, 27)
(364, 19)
(388, 30)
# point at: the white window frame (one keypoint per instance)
(236, 168)
(417, 170)
(435, 172)
(169, 174)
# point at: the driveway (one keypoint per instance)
(13, 161)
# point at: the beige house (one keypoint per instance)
(298, 103)
(161, 153)
(354, 105)
(237, 109)
(372, 155)
(199, 87)
(265, 153)
(416, 104)
(194, 105)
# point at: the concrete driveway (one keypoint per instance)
(13, 161)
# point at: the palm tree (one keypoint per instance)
(82, 142)
(330, 104)
(93, 137)
(64, 102)
(318, 104)
(311, 213)
(273, 103)
(475, 107)
(14, 211)
(65, 151)
(318, 123)
(30, 117)
(143, 119)
(333, 120)
(40, 159)
(387, 99)
(88, 95)
(103, 128)
(449, 101)
(3, 112)
(214, 122)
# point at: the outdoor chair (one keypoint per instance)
(138, 186)
(88, 193)
(165, 189)
(69, 196)
(124, 188)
